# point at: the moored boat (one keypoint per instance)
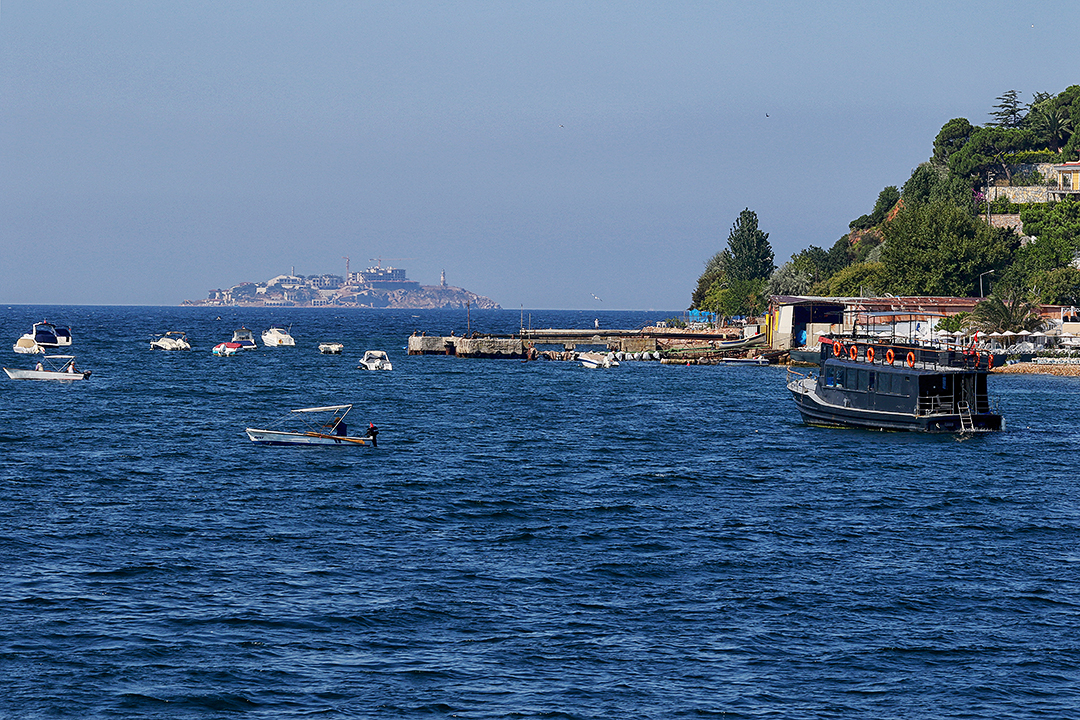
(331, 348)
(244, 338)
(375, 360)
(897, 387)
(172, 340)
(226, 349)
(42, 336)
(277, 337)
(51, 367)
(313, 426)
(598, 360)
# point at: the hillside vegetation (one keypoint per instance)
(930, 236)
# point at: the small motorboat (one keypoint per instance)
(375, 360)
(598, 360)
(172, 340)
(743, 361)
(226, 349)
(51, 367)
(313, 426)
(244, 338)
(331, 348)
(42, 336)
(278, 337)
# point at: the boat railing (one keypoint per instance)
(941, 405)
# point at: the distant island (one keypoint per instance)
(375, 287)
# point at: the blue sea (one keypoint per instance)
(528, 540)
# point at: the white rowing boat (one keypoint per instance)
(52, 367)
(317, 426)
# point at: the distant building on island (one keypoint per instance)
(385, 287)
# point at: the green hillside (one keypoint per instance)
(931, 236)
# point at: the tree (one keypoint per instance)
(887, 198)
(737, 298)
(1052, 124)
(940, 249)
(748, 255)
(952, 137)
(986, 150)
(789, 279)
(714, 271)
(863, 279)
(1009, 112)
(932, 182)
(1006, 309)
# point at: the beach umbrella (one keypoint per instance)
(996, 335)
(1023, 332)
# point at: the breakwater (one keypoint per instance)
(554, 343)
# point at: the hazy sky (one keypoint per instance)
(539, 152)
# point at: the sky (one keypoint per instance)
(558, 154)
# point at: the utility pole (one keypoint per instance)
(346, 268)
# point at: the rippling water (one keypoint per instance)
(528, 540)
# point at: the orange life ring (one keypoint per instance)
(837, 348)
(890, 356)
(989, 361)
(870, 354)
(911, 359)
(853, 352)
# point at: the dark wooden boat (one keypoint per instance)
(897, 387)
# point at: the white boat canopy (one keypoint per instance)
(328, 408)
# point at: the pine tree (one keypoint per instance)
(1009, 111)
(748, 256)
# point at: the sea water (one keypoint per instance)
(531, 540)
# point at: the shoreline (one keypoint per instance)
(1039, 369)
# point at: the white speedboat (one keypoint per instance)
(375, 360)
(277, 337)
(598, 360)
(313, 426)
(42, 336)
(51, 367)
(244, 338)
(172, 340)
(331, 348)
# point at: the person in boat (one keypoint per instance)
(71, 367)
(342, 429)
(373, 433)
(39, 367)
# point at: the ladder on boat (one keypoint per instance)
(966, 423)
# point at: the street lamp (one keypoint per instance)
(988, 272)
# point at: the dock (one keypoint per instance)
(553, 343)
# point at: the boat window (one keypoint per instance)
(870, 382)
(840, 377)
(830, 378)
(853, 379)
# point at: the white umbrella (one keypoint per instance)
(1007, 333)
(958, 333)
(996, 335)
(1023, 332)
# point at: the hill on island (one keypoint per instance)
(372, 288)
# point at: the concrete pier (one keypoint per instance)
(479, 347)
(532, 343)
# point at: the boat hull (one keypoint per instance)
(276, 437)
(816, 411)
(45, 375)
